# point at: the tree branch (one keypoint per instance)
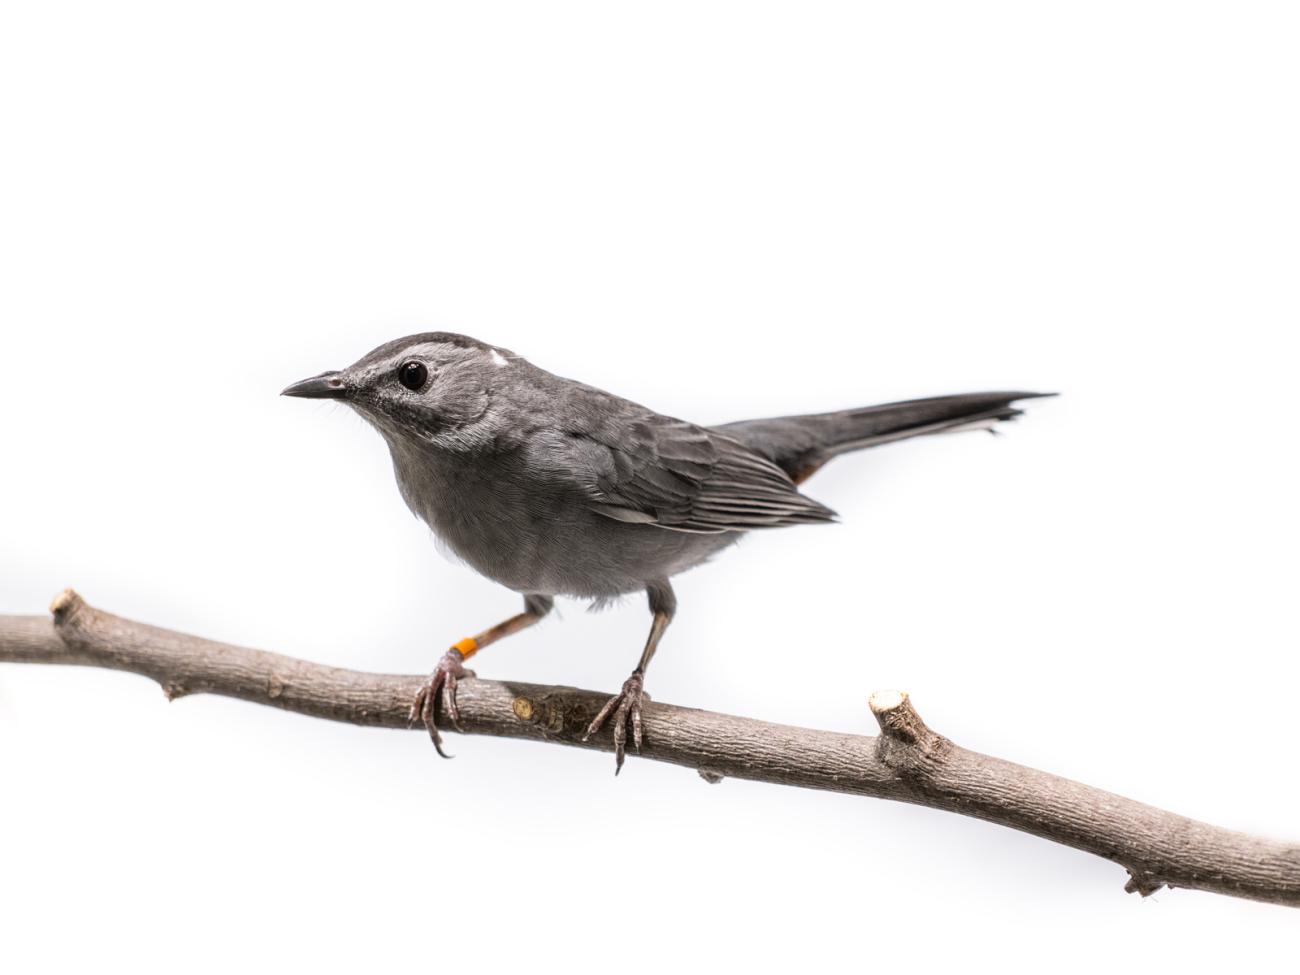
(906, 762)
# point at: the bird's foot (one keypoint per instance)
(626, 708)
(442, 682)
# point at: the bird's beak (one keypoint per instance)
(328, 385)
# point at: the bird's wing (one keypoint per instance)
(640, 467)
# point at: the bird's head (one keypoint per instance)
(433, 388)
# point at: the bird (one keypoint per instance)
(551, 487)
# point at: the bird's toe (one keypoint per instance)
(625, 706)
(441, 685)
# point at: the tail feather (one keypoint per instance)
(802, 444)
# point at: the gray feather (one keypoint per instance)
(801, 444)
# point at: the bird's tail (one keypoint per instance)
(801, 444)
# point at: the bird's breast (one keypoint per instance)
(538, 537)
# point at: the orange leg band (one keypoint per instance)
(466, 647)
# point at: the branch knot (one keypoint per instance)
(1142, 882)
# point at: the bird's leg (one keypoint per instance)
(451, 668)
(625, 706)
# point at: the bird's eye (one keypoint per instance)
(412, 374)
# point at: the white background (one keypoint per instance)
(722, 211)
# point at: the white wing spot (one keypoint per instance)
(498, 358)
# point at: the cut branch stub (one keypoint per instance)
(64, 605)
(906, 742)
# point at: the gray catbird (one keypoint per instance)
(553, 488)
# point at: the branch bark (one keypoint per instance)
(907, 762)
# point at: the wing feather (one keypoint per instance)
(653, 469)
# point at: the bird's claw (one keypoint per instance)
(451, 669)
(626, 708)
